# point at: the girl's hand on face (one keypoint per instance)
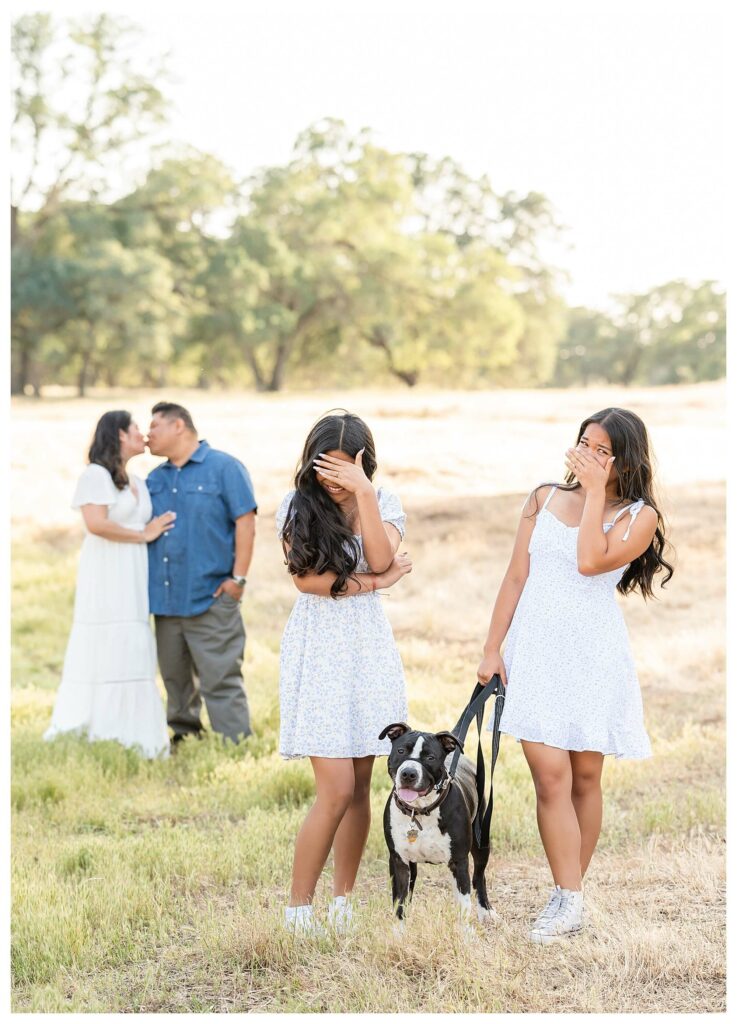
(339, 472)
(589, 472)
(491, 665)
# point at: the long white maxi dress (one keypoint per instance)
(571, 677)
(341, 679)
(108, 689)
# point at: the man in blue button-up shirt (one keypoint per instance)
(197, 574)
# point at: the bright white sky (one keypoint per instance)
(614, 111)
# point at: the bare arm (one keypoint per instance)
(245, 536)
(380, 539)
(97, 522)
(509, 594)
(599, 552)
(362, 583)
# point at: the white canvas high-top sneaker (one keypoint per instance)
(301, 921)
(563, 916)
(340, 914)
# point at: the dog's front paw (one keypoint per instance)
(398, 929)
(487, 917)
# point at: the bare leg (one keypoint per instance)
(556, 817)
(586, 797)
(334, 782)
(350, 838)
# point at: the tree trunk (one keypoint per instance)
(20, 372)
(379, 340)
(20, 368)
(279, 370)
(82, 376)
(256, 371)
(287, 344)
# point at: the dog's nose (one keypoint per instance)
(408, 774)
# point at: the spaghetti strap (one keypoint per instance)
(634, 510)
(551, 492)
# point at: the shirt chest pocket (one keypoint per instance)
(155, 488)
(202, 497)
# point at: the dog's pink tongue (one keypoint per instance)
(408, 795)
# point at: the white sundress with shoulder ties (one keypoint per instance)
(571, 677)
(341, 679)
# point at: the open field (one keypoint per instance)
(159, 887)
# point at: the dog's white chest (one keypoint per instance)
(431, 845)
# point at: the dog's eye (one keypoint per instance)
(400, 750)
(431, 757)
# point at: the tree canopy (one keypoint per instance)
(349, 262)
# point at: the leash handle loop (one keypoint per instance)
(475, 709)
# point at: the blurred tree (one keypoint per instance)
(90, 306)
(41, 302)
(125, 311)
(674, 334)
(348, 260)
(184, 212)
(83, 94)
(587, 351)
(343, 246)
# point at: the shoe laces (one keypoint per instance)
(551, 908)
(567, 904)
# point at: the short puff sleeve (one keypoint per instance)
(95, 487)
(281, 513)
(390, 508)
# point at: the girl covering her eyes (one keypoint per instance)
(573, 695)
(341, 678)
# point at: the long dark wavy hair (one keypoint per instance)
(105, 447)
(317, 534)
(633, 464)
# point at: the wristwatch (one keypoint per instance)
(240, 580)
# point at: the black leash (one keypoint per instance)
(475, 709)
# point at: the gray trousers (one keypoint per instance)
(201, 656)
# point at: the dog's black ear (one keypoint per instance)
(449, 741)
(394, 730)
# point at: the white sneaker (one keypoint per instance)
(340, 914)
(562, 916)
(301, 921)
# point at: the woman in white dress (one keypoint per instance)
(573, 694)
(108, 688)
(341, 679)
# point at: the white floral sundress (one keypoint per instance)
(571, 675)
(341, 679)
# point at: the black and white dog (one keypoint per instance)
(429, 819)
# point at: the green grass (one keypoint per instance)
(158, 886)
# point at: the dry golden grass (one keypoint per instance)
(159, 888)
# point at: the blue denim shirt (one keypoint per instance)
(187, 564)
